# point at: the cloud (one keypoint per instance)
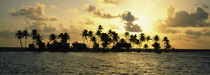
(129, 19)
(35, 13)
(53, 7)
(203, 32)
(186, 19)
(159, 26)
(109, 1)
(99, 12)
(52, 18)
(36, 18)
(126, 16)
(132, 27)
(87, 22)
(42, 26)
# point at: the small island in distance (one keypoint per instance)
(96, 42)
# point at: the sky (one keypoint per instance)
(185, 22)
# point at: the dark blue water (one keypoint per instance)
(58, 63)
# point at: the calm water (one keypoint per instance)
(98, 63)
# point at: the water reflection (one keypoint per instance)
(97, 63)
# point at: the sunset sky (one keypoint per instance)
(185, 22)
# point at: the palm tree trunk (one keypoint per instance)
(25, 42)
(21, 43)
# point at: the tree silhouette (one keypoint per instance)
(142, 38)
(64, 37)
(156, 45)
(145, 46)
(90, 34)
(93, 39)
(100, 28)
(133, 39)
(110, 32)
(85, 34)
(148, 39)
(156, 38)
(166, 42)
(122, 44)
(122, 41)
(34, 34)
(137, 42)
(19, 35)
(25, 35)
(53, 37)
(105, 39)
(95, 44)
(115, 37)
(99, 32)
(127, 35)
(37, 38)
(109, 40)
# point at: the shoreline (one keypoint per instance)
(18, 49)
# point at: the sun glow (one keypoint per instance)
(145, 24)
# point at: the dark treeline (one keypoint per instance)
(95, 41)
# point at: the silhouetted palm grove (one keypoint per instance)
(98, 40)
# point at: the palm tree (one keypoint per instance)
(85, 34)
(142, 38)
(126, 36)
(93, 39)
(122, 41)
(165, 39)
(137, 42)
(166, 42)
(95, 44)
(110, 32)
(115, 37)
(133, 39)
(25, 35)
(145, 46)
(100, 28)
(90, 34)
(38, 39)
(19, 35)
(34, 34)
(99, 33)
(105, 39)
(156, 45)
(53, 37)
(148, 39)
(64, 37)
(156, 38)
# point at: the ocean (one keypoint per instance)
(91, 63)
